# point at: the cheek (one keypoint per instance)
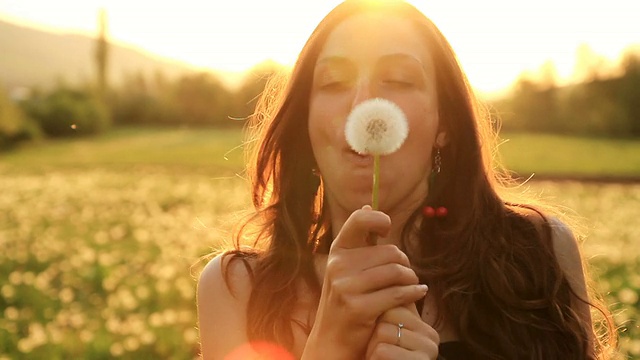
(326, 122)
(423, 124)
(423, 127)
(315, 120)
(420, 108)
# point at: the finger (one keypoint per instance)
(363, 258)
(411, 322)
(372, 238)
(406, 314)
(383, 276)
(408, 338)
(388, 333)
(359, 225)
(384, 351)
(374, 304)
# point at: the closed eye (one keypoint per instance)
(335, 85)
(334, 73)
(399, 83)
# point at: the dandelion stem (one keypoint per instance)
(376, 182)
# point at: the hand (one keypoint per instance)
(416, 339)
(361, 282)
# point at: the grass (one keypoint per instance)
(558, 155)
(203, 150)
(220, 151)
(103, 238)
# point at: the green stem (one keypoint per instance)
(376, 182)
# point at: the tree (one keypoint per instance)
(589, 65)
(14, 125)
(254, 85)
(202, 99)
(630, 92)
(102, 53)
(68, 112)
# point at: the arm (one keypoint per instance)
(221, 312)
(567, 252)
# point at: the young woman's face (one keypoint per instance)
(369, 56)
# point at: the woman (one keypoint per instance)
(505, 281)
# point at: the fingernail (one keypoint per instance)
(423, 287)
(366, 207)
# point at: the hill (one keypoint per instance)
(32, 57)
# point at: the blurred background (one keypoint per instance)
(121, 150)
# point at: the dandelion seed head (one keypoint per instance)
(11, 313)
(25, 345)
(142, 292)
(66, 295)
(377, 127)
(28, 278)
(191, 336)
(116, 349)
(156, 320)
(147, 337)
(15, 278)
(131, 344)
(628, 296)
(170, 316)
(86, 336)
(8, 291)
(113, 325)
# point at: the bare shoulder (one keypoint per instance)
(568, 255)
(227, 273)
(565, 245)
(565, 248)
(224, 288)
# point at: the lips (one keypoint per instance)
(358, 159)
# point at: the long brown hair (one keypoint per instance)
(490, 264)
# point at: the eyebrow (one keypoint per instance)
(337, 59)
(329, 60)
(400, 57)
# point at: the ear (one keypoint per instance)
(442, 139)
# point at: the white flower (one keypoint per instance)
(377, 127)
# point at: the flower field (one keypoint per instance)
(99, 265)
(102, 262)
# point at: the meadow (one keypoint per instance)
(103, 238)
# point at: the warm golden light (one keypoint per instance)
(496, 40)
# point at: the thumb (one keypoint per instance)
(358, 227)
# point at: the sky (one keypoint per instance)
(496, 40)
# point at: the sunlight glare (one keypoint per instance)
(496, 40)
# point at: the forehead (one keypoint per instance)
(365, 38)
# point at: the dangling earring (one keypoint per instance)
(437, 165)
(429, 210)
(315, 180)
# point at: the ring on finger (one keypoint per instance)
(399, 335)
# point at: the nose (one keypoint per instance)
(364, 90)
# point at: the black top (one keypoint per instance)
(454, 350)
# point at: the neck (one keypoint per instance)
(399, 217)
(399, 210)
